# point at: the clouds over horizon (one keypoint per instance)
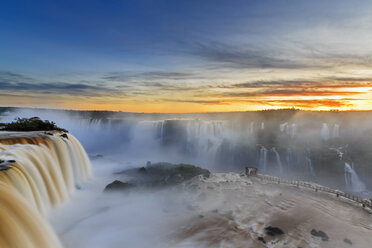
(188, 55)
(161, 87)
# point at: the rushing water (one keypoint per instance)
(352, 181)
(38, 171)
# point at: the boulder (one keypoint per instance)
(319, 234)
(117, 185)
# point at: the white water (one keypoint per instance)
(309, 166)
(352, 181)
(336, 131)
(325, 131)
(278, 161)
(41, 172)
(263, 159)
(289, 155)
(290, 129)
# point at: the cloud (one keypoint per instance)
(331, 83)
(14, 77)
(242, 57)
(288, 93)
(11, 82)
(204, 102)
(150, 75)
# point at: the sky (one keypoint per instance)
(186, 56)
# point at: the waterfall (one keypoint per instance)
(251, 128)
(37, 171)
(325, 132)
(21, 226)
(263, 159)
(289, 156)
(309, 166)
(279, 163)
(283, 127)
(293, 130)
(336, 131)
(352, 181)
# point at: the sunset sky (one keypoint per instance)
(186, 56)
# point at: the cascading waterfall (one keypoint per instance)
(289, 156)
(336, 131)
(284, 127)
(278, 161)
(352, 181)
(37, 171)
(325, 131)
(263, 159)
(251, 128)
(291, 130)
(308, 163)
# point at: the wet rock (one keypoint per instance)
(320, 234)
(4, 167)
(272, 231)
(261, 239)
(117, 185)
(64, 136)
(163, 174)
(348, 241)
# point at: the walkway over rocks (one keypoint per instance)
(365, 203)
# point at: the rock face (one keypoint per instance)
(117, 185)
(158, 175)
(241, 211)
(272, 231)
(320, 234)
(348, 241)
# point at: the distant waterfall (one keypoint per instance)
(309, 166)
(251, 128)
(263, 159)
(279, 163)
(325, 132)
(352, 181)
(289, 158)
(291, 130)
(336, 131)
(284, 127)
(37, 171)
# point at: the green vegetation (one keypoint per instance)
(31, 124)
(117, 185)
(158, 175)
(162, 174)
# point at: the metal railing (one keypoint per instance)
(364, 202)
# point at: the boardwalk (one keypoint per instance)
(365, 203)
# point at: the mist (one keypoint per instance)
(294, 144)
(329, 148)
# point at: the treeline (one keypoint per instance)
(30, 124)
